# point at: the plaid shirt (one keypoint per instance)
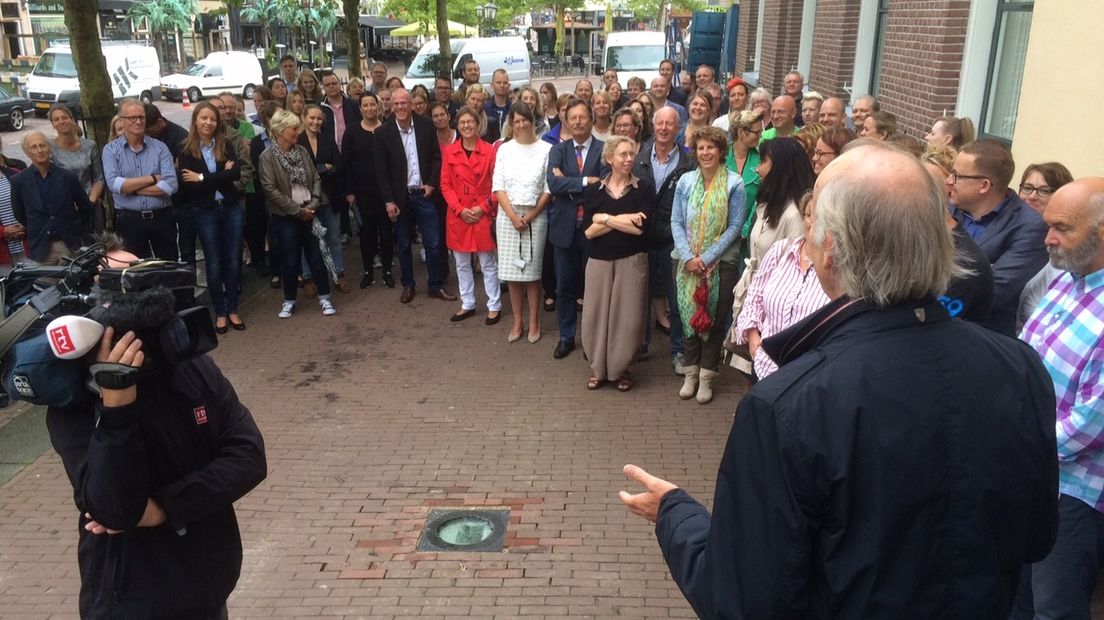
(1067, 329)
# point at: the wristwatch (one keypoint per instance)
(200, 177)
(606, 223)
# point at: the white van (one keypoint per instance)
(237, 72)
(634, 54)
(492, 53)
(133, 67)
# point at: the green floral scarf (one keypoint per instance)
(705, 228)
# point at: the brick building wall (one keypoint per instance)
(922, 59)
(833, 62)
(745, 38)
(781, 39)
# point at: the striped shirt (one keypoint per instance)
(7, 214)
(781, 294)
(1067, 329)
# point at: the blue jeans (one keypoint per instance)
(220, 229)
(296, 239)
(661, 274)
(570, 263)
(1061, 585)
(332, 221)
(420, 211)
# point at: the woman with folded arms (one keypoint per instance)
(466, 169)
(615, 301)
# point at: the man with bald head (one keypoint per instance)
(1066, 329)
(882, 472)
(661, 89)
(782, 114)
(49, 202)
(832, 113)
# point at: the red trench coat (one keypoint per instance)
(465, 183)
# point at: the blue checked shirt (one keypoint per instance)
(120, 162)
(1067, 329)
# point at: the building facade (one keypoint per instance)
(923, 59)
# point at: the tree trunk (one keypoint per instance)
(233, 20)
(559, 49)
(97, 101)
(352, 37)
(444, 46)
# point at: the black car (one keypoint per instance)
(13, 108)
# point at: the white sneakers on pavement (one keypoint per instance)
(286, 310)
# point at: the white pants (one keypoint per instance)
(464, 276)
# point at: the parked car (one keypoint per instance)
(509, 53)
(237, 72)
(13, 108)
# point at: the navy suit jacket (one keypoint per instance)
(1013, 242)
(567, 191)
(61, 216)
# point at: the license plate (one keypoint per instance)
(42, 105)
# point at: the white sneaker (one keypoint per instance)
(286, 310)
(327, 307)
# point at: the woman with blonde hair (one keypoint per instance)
(616, 220)
(760, 101)
(700, 111)
(307, 84)
(530, 97)
(808, 136)
(293, 194)
(602, 105)
(951, 131)
(476, 98)
(296, 103)
(880, 125)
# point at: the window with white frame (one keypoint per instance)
(1006, 67)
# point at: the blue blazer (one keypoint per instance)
(61, 216)
(1013, 242)
(567, 191)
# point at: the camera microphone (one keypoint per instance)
(72, 336)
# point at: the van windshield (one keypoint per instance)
(196, 69)
(56, 65)
(634, 57)
(427, 63)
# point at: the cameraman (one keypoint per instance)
(155, 469)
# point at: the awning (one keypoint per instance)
(116, 5)
(417, 28)
(380, 24)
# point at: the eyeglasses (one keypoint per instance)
(955, 177)
(134, 119)
(1042, 190)
(817, 154)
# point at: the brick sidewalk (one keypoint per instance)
(378, 414)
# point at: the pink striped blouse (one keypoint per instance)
(781, 294)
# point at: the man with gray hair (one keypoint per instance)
(862, 108)
(1066, 329)
(882, 472)
(49, 202)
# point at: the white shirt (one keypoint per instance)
(410, 145)
(520, 171)
(586, 149)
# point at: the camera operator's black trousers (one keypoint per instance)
(148, 233)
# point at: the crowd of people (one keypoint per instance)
(686, 210)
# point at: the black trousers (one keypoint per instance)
(256, 229)
(152, 237)
(377, 236)
(548, 272)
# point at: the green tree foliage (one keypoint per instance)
(164, 16)
(653, 9)
(265, 13)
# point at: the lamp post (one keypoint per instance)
(307, 5)
(486, 12)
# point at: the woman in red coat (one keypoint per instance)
(466, 169)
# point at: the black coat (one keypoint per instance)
(665, 196)
(329, 165)
(900, 464)
(391, 168)
(202, 193)
(349, 110)
(189, 444)
(358, 164)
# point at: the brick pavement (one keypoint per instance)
(378, 414)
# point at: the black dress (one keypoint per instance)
(377, 231)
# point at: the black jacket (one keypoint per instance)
(350, 110)
(188, 443)
(329, 165)
(900, 464)
(358, 165)
(60, 217)
(202, 193)
(391, 165)
(665, 196)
